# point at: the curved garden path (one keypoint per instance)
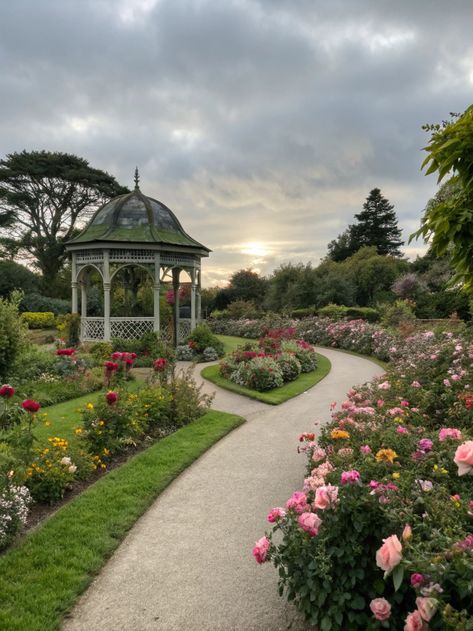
(187, 562)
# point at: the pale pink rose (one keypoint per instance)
(380, 403)
(260, 551)
(325, 496)
(450, 432)
(72, 468)
(447, 383)
(298, 502)
(416, 384)
(310, 522)
(390, 554)
(350, 477)
(275, 514)
(464, 457)
(319, 454)
(384, 386)
(414, 622)
(426, 607)
(381, 608)
(365, 449)
(404, 403)
(406, 533)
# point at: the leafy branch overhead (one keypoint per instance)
(448, 219)
(43, 196)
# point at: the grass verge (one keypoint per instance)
(41, 578)
(278, 395)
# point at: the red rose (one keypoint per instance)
(66, 351)
(117, 355)
(7, 391)
(160, 364)
(30, 406)
(111, 366)
(112, 397)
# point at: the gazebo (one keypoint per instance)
(135, 230)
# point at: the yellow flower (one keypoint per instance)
(106, 452)
(339, 433)
(435, 467)
(47, 424)
(398, 419)
(396, 475)
(90, 406)
(444, 471)
(78, 430)
(101, 423)
(386, 455)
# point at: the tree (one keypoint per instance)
(15, 276)
(447, 223)
(247, 285)
(43, 196)
(342, 247)
(377, 225)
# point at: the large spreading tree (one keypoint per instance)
(43, 198)
(376, 226)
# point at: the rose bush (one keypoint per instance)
(381, 532)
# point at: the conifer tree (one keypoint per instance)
(377, 225)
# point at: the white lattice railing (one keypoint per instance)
(92, 329)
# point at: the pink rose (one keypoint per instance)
(381, 608)
(260, 551)
(298, 502)
(275, 514)
(464, 457)
(426, 607)
(390, 554)
(414, 622)
(449, 432)
(384, 386)
(365, 449)
(325, 496)
(310, 522)
(318, 454)
(417, 579)
(350, 477)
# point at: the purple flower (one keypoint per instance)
(425, 444)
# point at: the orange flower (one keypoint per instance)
(339, 433)
(386, 455)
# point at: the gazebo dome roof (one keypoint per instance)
(136, 218)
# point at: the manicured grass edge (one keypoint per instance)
(41, 578)
(278, 395)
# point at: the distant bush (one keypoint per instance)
(260, 373)
(39, 319)
(35, 302)
(11, 332)
(303, 312)
(15, 276)
(184, 353)
(335, 312)
(202, 337)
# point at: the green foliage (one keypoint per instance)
(101, 351)
(260, 373)
(36, 302)
(397, 313)
(12, 332)
(289, 365)
(16, 276)
(45, 194)
(69, 325)
(336, 312)
(39, 320)
(448, 219)
(148, 348)
(202, 337)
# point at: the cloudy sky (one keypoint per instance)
(262, 123)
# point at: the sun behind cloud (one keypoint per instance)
(255, 248)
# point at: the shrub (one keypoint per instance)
(363, 313)
(147, 348)
(400, 311)
(202, 337)
(290, 366)
(100, 351)
(185, 353)
(336, 312)
(39, 320)
(69, 326)
(51, 472)
(11, 333)
(188, 402)
(303, 312)
(304, 353)
(209, 354)
(14, 503)
(35, 302)
(260, 373)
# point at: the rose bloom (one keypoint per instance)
(381, 608)
(339, 434)
(414, 622)
(390, 554)
(72, 468)
(365, 449)
(416, 384)
(407, 532)
(400, 429)
(306, 436)
(298, 502)
(275, 514)
(111, 366)
(318, 454)
(325, 496)
(417, 579)
(30, 406)
(384, 386)
(310, 522)
(66, 351)
(260, 551)
(350, 477)
(7, 391)
(111, 397)
(449, 432)
(425, 444)
(116, 355)
(464, 457)
(65, 460)
(426, 607)
(160, 364)
(386, 455)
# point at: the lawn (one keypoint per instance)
(278, 395)
(42, 577)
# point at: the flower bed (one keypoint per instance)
(120, 421)
(278, 358)
(380, 534)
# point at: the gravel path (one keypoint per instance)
(187, 563)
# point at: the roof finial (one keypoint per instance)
(137, 178)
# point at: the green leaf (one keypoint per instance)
(398, 575)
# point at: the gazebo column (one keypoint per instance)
(106, 296)
(74, 285)
(199, 299)
(175, 285)
(193, 300)
(156, 287)
(83, 296)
